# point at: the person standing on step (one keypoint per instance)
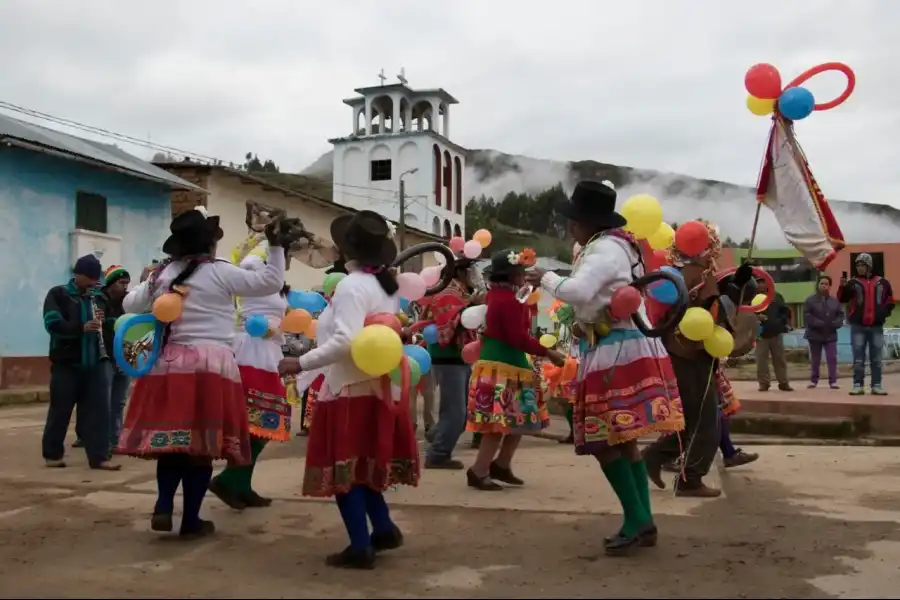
(822, 317)
(870, 301)
(776, 321)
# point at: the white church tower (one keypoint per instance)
(402, 134)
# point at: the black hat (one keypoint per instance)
(365, 238)
(192, 233)
(592, 203)
(501, 265)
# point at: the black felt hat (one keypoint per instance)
(366, 238)
(592, 203)
(193, 232)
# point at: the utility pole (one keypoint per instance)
(401, 229)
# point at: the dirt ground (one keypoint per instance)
(800, 523)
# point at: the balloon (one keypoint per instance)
(763, 81)
(430, 275)
(483, 237)
(697, 324)
(758, 299)
(644, 215)
(471, 352)
(439, 258)
(570, 369)
(412, 286)
(168, 307)
(121, 321)
(662, 238)
(664, 292)
(311, 329)
(457, 244)
(796, 103)
(386, 319)
(331, 282)
(312, 302)
(472, 249)
(658, 259)
(376, 350)
(296, 321)
(533, 298)
(548, 341)
(473, 317)
(720, 343)
(134, 332)
(672, 271)
(760, 106)
(430, 333)
(692, 238)
(404, 304)
(256, 325)
(624, 302)
(420, 355)
(403, 318)
(415, 373)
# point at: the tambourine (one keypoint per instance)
(136, 359)
(447, 272)
(675, 312)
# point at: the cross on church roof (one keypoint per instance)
(381, 76)
(402, 76)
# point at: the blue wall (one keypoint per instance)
(845, 354)
(37, 213)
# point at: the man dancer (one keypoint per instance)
(73, 316)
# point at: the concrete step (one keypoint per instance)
(22, 396)
(798, 426)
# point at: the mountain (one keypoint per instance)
(732, 207)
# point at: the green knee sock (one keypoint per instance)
(570, 418)
(256, 448)
(621, 478)
(238, 479)
(639, 471)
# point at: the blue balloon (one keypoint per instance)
(420, 355)
(312, 302)
(404, 304)
(672, 271)
(430, 334)
(664, 292)
(256, 325)
(796, 103)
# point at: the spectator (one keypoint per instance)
(870, 301)
(776, 321)
(823, 316)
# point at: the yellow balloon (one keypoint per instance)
(663, 238)
(758, 299)
(720, 343)
(697, 324)
(760, 106)
(377, 350)
(644, 215)
(547, 340)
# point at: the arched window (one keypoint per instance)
(447, 229)
(436, 226)
(448, 181)
(457, 165)
(437, 175)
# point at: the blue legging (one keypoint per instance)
(359, 506)
(725, 444)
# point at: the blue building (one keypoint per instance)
(61, 197)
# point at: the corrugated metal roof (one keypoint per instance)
(105, 155)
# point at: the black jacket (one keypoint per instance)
(778, 318)
(114, 310)
(66, 310)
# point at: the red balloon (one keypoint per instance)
(659, 258)
(388, 319)
(763, 81)
(692, 238)
(624, 302)
(471, 352)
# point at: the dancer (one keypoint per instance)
(626, 385)
(505, 397)
(267, 407)
(361, 439)
(191, 409)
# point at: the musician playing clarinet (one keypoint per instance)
(79, 373)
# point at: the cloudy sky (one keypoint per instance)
(645, 83)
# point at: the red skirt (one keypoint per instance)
(192, 402)
(360, 437)
(312, 395)
(268, 411)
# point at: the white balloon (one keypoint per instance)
(472, 249)
(473, 317)
(412, 286)
(431, 275)
(439, 258)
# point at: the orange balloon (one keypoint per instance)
(311, 329)
(386, 319)
(483, 237)
(297, 321)
(168, 307)
(570, 369)
(534, 297)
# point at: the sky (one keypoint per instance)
(645, 83)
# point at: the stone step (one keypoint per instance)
(798, 426)
(22, 396)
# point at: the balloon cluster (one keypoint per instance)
(378, 350)
(698, 325)
(413, 285)
(793, 102)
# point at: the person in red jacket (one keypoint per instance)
(505, 397)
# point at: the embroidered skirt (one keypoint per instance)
(192, 402)
(626, 390)
(728, 400)
(312, 396)
(268, 411)
(505, 399)
(362, 436)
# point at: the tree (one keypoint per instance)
(254, 165)
(164, 157)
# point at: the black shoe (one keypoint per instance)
(785, 387)
(161, 521)
(498, 473)
(201, 530)
(647, 538)
(447, 464)
(254, 500)
(230, 498)
(351, 558)
(389, 540)
(620, 545)
(485, 484)
(740, 458)
(654, 468)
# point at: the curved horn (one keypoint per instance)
(675, 312)
(446, 273)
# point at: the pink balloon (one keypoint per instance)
(412, 286)
(624, 302)
(456, 244)
(430, 275)
(471, 352)
(472, 249)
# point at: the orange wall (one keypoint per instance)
(891, 261)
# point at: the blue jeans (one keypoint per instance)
(862, 338)
(118, 396)
(453, 381)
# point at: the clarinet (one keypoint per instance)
(101, 343)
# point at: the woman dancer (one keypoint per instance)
(361, 440)
(505, 397)
(190, 409)
(626, 385)
(268, 411)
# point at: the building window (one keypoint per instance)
(877, 263)
(789, 270)
(380, 170)
(90, 212)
